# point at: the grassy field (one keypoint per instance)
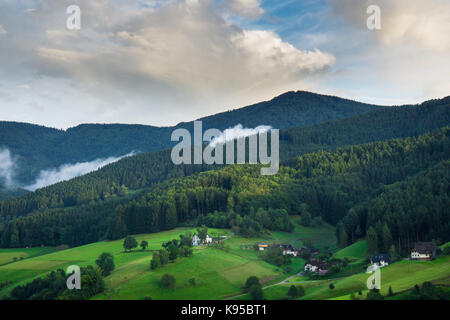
(400, 276)
(355, 252)
(218, 273)
(13, 255)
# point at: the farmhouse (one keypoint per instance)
(381, 260)
(262, 246)
(195, 240)
(423, 251)
(288, 250)
(317, 266)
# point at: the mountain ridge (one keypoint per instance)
(37, 147)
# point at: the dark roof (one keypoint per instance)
(425, 247)
(287, 247)
(322, 265)
(381, 257)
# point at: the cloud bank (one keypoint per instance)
(69, 171)
(159, 63)
(236, 132)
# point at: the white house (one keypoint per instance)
(310, 267)
(208, 239)
(288, 250)
(423, 251)
(317, 266)
(195, 240)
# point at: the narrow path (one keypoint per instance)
(275, 284)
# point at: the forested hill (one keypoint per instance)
(337, 186)
(292, 109)
(146, 170)
(377, 125)
(36, 148)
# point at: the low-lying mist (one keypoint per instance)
(236, 132)
(7, 168)
(69, 171)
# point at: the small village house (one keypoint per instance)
(195, 240)
(381, 259)
(423, 251)
(289, 250)
(317, 266)
(262, 246)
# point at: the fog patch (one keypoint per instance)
(70, 171)
(236, 132)
(7, 168)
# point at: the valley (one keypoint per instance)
(375, 182)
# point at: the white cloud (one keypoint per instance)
(246, 8)
(407, 60)
(7, 168)
(154, 65)
(69, 171)
(414, 22)
(2, 30)
(236, 132)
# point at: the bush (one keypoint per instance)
(251, 281)
(168, 281)
(256, 292)
(293, 292)
(129, 243)
(156, 261)
(144, 244)
(446, 250)
(106, 263)
(331, 286)
(374, 294)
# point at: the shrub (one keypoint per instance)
(251, 281)
(168, 281)
(106, 263)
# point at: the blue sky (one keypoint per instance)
(162, 62)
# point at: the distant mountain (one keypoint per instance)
(148, 169)
(36, 147)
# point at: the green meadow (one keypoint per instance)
(218, 273)
(355, 252)
(12, 255)
(213, 273)
(401, 276)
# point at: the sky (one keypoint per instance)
(160, 62)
